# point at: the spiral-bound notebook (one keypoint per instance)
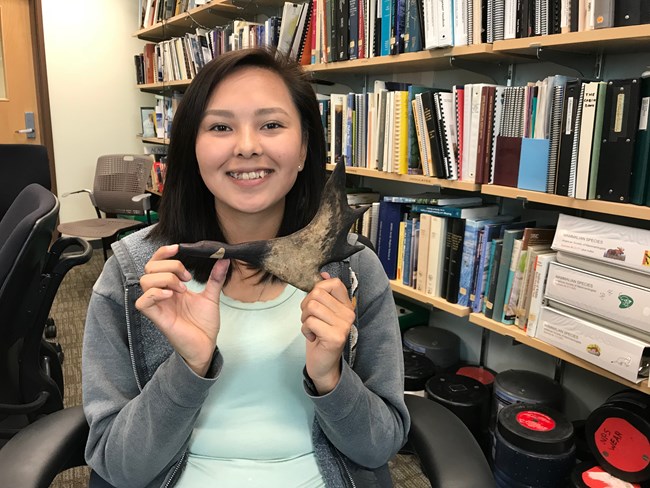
(571, 189)
(555, 132)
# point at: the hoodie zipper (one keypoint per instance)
(129, 337)
(345, 469)
(175, 471)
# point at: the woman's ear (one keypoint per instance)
(303, 152)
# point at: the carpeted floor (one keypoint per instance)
(69, 312)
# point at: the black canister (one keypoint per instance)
(521, 386)
(417, 370)
(467, 398)
(441, 346)
(618, 434)
(534, 447)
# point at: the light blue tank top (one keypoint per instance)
(254, 429)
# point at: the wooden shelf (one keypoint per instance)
(599, 206)
(155, 140)
(164, 86)
(437, 302)
(416, 179)
(632, 38)
(520, 336)
(433, 59)
(154, 192)
(213, 13)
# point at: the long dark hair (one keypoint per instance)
(187, 210)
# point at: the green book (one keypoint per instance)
(503, 271)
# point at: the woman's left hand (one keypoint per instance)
(327, 316)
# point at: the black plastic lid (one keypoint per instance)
(528, 387)
(417, 370)
(439, 345)
(536, 428)
(455, 389)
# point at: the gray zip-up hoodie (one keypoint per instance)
(141, 399)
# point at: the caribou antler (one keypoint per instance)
(297, 258)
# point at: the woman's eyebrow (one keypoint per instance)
(231, 114)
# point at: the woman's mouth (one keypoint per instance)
(249, 175)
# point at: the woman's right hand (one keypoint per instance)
(189, 321)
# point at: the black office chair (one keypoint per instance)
(21, 165)
(30, 273)
(449, 454)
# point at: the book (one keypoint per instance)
(532, 236)
(436, 256)
(540, 273)
(424, 237)
(453, 257)
(431, 198)
(523, 302)
(586, 137)
(597, 138)
(509, 237)
(570, 107)
(496, 249)
(390, 215)
(533, 164)
(456, 211)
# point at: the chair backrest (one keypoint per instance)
(20, 165)
(118, 178)
(25, 236)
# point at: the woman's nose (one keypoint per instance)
(248, 143)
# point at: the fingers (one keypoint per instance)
(163, 272)
(325, 308)
(216, 280)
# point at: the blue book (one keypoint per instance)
(509, 237)
(390, 215)
(491, 231)
(412, 30)
(353, 29)
(459, 212)
(349, 131)
(406, 255)
(386, 26)
(533, 164)
(471, 254)
(494, 257)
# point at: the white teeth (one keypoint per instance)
(250, 175)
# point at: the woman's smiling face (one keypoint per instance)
(250, 144)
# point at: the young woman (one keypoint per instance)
(198, 373)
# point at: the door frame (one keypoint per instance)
(42, 90)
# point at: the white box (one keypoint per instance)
(608, 349)
(599, 295)
(615, 244)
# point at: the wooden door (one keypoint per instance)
(23, 79)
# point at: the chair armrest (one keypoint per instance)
(448, 452)
(145, 198)
(54, 443)
(85, 190)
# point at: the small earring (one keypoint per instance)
(299, 167)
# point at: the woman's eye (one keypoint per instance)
(272, 125)
(220, 128)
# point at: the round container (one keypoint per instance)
(618, 434)
(590, 475)
(441, 346)
(417, 370)
(533, 447)
(466, 397)
(521, 386)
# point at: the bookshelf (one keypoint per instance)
(482, 58)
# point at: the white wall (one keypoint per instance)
(89, 48)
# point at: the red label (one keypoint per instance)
(597, 478)
(622, 445)
(535, 421)
(479, 374)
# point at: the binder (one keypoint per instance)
(533, 164)
(570, 107)
(641, 165)
(631, 12)
(603, 13)
(555, 133)
(620, 122)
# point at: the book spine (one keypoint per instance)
(537, 292)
